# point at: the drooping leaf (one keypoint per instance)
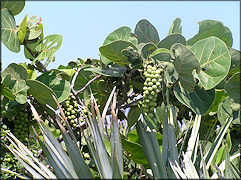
(41, 92)
(17, 72)
(9, 35)
(48, 46)
(146, 32)
(185, 62)
(20, 91)
(22, 29)
(233, 87)
(209, 28)
(112, 51)
(113, 72)
(15, 6)
(199, 100)
(214, 59)
(170, 40)
(224, 110)
(175, 27)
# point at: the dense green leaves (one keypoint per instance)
(199, 100)
(15, 6)
(20, 91)
(209, 28)
(9, 35)
(214, 59)
(146, 32)
(185, 62)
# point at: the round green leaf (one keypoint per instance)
(61, 88)
(17, 72)
(146, 32)
(147, 50)
(112, 51)
(20, 91)
(233, 87)
(214, 59)
(133, 116)
(199, 101)
(170, 40)
(15, 6)
(209, 28)
(9, 35)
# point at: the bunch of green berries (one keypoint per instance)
(151, 89)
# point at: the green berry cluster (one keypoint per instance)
(71, 111)
(21, 122)
(151, 88)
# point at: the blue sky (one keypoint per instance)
(84, 25)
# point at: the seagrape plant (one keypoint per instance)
(149, 107)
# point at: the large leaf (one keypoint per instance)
(17, 72)
(209, 28)
(60, 87)
(233, 87)
(9, 35)
(122, 33)
(48, 46)
(110, 71)
(112, 51)
(199, 101)
(170, 40)
(20, 91)
(41, 92)
(161, 54)
(146, 32)
(214, 59)
(235, 60)
(224, 110)
(175, 27)
(135, 152)
(15, 6)
(133, 116)
(185, 62)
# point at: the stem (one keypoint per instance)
(92, 80)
